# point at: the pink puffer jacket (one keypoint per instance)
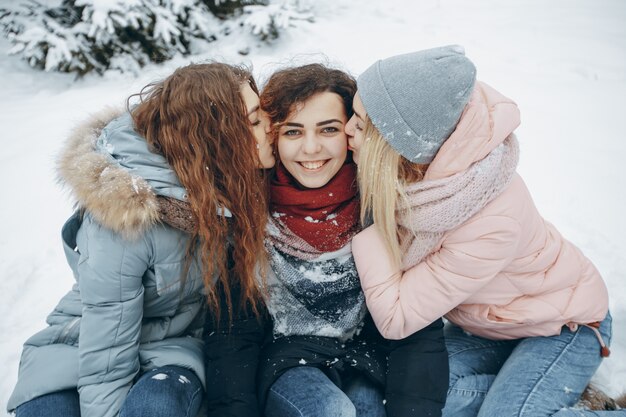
(505, 273)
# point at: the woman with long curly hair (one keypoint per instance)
(171, 200)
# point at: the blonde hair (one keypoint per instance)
(196, 118)
(383, 174)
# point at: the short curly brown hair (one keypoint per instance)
(291, 86)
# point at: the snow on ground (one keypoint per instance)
(563, 61)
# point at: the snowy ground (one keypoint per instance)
(563, 61)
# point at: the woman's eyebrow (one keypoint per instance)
(325, 122)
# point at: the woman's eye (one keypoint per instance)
(330, 129)
(291, 132)
(256, 122)
(358, 127)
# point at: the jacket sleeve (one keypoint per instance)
(110, 273)
(232, 349)
(402, 303)
(417, 374)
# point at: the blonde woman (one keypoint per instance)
(455, 233)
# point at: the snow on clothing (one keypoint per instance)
(127, 313)
(169, 391)
(503, 273)
(239, 350)
(317, 304)
(314, 221)
(235, 351)
(320, 297)
(314, 295)
(313, 286)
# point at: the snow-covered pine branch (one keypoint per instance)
(82, 36)
(268, 21)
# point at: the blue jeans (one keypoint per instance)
(167, 391)
(531, 377)
(306, 391)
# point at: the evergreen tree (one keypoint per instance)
(81, 36)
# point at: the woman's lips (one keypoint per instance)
(313, 165)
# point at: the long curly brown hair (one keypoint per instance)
(291, 86)
(197, 119)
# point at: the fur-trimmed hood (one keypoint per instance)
(113, 175)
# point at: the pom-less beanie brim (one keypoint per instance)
(415, 100)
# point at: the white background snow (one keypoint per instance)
(563, 61)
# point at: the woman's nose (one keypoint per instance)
(349, 127)
(311, 143)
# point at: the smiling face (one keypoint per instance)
(355, 128)
(312, 144)
(259, 125)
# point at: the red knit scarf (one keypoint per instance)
(327, 217)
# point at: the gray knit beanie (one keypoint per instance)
(415, 100)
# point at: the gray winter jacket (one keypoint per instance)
(127, 312)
